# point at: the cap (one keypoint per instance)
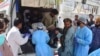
(83, 19)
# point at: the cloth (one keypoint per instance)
(96, 39)
(15, 39)
(68, 43)
(90, 23)
(42, 47)
(5, 50)
(2, 39)
(83, 19)
(48, 21)
(83, 39)
(62, 38)
(35, 25)
(95, 53)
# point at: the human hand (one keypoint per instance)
(26, 35)
(79, 40)
(56, 32)
(52, 27)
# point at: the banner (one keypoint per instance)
(5, 6)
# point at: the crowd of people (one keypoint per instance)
(78, 38)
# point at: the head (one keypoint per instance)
(82, 21)
(39, 26)
(76, 17)
(67, 22)
(91, 16)
(2, 26)
(18, 23)
(6, 22)
(54, 12)
(97, 22)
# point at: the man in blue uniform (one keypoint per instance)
(41, 38)
(83, 38)
(96, 36)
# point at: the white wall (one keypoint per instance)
(99, 11)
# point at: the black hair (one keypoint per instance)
(6, 20)
(55, 11)
(91, 15)
(67, 20)
(76, 15)
(17, 22)
(1, 24)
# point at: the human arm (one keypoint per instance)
(19, 39)
(88, 39)
(33, 38)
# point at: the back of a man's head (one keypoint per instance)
(17, 22)
(54, 11)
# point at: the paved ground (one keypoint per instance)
(28, 54)
(33, 54)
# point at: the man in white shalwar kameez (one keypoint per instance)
(15, 38)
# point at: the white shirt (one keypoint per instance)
(15, 39)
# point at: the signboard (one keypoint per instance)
(37, 3)
(95, 1)
(1, 1)
(4, 3)
(5, 6)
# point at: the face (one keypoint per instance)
(20, 26)
(6, 25)
(52, 14)
(91, 17)
(67, 24)
(76, 17)
(2, 30)
(97, 24)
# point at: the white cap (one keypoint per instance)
(83, 19)
(39, 26)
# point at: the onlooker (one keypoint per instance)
(15, 38)
(76, 20)
(66, 38)
(83, 38)
(49, 21)
(90, 21)
(41, 38)
(96, 36)
(4, 47)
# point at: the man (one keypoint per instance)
(49, 21)
(96, 36)
(76, 20)
(83, 38)
(90, 22)
(66, 38)
(4, 47)
(42, 47)
(15, 38)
